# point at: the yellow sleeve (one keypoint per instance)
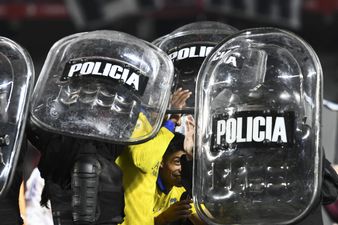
(142, 128)
(147, 155)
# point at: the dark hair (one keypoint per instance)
(176, 144)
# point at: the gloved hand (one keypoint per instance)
(330, 183)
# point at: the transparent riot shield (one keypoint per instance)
(187, 47)
(103, 85)
(16, 85)
(258, 115)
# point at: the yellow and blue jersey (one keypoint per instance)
(140, 164)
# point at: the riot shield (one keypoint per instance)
(16, 85)
(187, 47)
(103, 85)
(258, 115)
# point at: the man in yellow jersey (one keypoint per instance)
(169, 206)
(140, 164)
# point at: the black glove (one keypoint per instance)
(330, 183)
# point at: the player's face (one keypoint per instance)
(171, 169)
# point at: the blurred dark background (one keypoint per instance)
(37, 24)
